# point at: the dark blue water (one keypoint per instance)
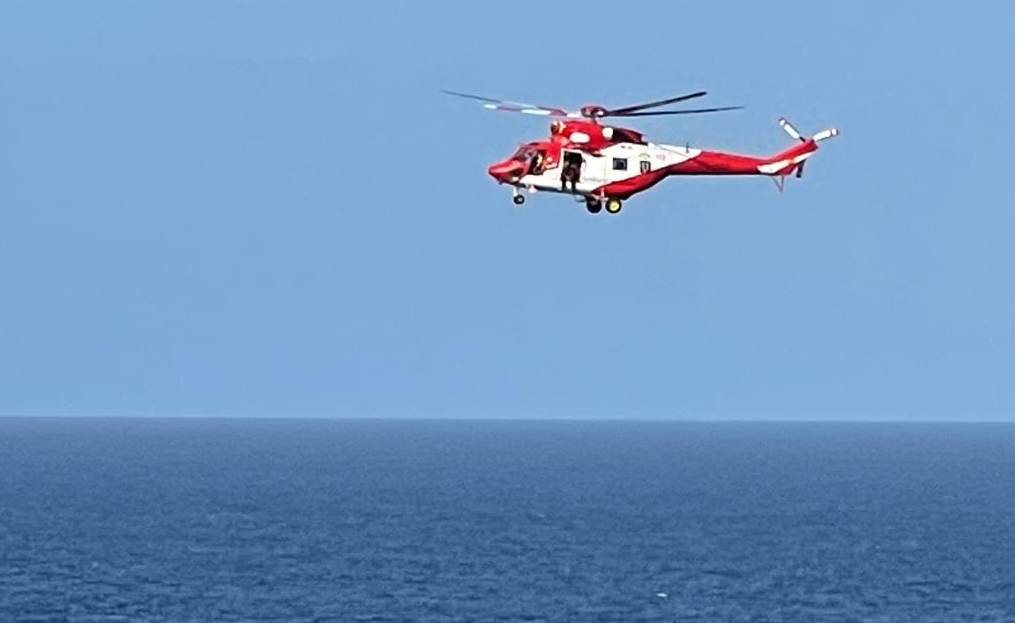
(223, 520)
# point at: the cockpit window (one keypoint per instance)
(538, 162)
(524, 154)
(534, 159)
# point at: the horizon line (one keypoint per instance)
(499, 418)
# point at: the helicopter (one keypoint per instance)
(604, 165)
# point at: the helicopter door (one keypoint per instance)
(585, 164)
(592, 167)
(571, 165)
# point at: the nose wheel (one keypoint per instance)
(517, 197)
(613, 205)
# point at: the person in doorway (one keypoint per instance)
(570, 173)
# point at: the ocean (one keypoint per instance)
(470, 521)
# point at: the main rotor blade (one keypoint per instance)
(496, 104)
(470, 96)
(673, 100)
(694, 111)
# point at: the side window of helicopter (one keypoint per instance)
(620, 164)
(538, 162)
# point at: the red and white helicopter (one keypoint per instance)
(605, 165)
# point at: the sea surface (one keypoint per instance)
(471, 521)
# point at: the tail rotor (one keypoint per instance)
(788, 127)
(799, 159)
(794, 133)
(826, 134)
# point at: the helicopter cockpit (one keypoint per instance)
(532, 157)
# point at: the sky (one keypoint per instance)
(268, 209)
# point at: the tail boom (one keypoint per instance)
(705, 162)
(722, 163)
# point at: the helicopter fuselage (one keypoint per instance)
(606, 164)
(587, 159)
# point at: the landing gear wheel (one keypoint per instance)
(518, 199)
(593, 205)
(613, 206)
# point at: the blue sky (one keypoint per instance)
(267, 208)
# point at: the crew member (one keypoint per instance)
(570, 172)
